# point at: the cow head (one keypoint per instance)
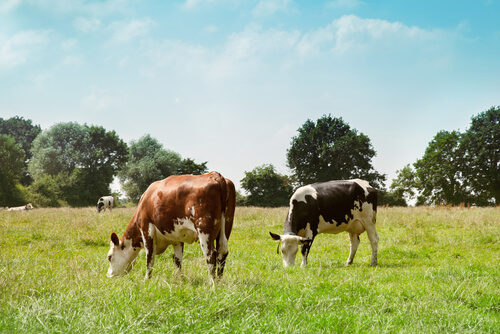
(289, 246)
(99, 206)
(121, 256)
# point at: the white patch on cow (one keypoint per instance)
(184, 231)
(306, 232)
(204, 239)
(301, 193)
(300, 196)
(331, 227)
(151, 230)
(121, 258)
(144, 241)
(192, 211)
(223, 244)
(364, 184)
(365, 215)
(204, 242)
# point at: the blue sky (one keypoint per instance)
(231, 81)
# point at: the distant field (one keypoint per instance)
(438, 272)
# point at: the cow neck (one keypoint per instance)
(289, 228)
(133, 232)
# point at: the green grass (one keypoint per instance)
(438, 272)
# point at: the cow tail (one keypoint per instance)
(223, 189)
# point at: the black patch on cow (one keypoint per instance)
(177, 262)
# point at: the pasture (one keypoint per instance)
(438, 272)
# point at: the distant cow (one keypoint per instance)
(178, 209)
(26, 207)
(329, 207)
(105, 202)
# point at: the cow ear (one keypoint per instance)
(275, 236)
(114, 239)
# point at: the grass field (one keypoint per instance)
(438, 272)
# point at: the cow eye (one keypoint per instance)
(109, 258)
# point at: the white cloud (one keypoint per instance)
(211, 29)
(256, 50)
(69, 44)
(83, 7)
(192, 4)
(349, 4)
(98, 100)
(127, 31)
(8, 5)
(87, 24)
(72, 61)
(351, 32)
(19, 48)
(271, 7)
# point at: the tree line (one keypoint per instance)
(456, 169)
(73, 164)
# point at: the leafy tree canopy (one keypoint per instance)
(12, 157)
(147, 162)
(481, 151)
(266, 187)
(458, 167)
(24, 133)
(438, 171)
(330, 150)
(87, 157)
(189, 166)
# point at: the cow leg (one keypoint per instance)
(207, 246)
(221, 247)
(354, 237)
(373, 237)
(305, 252)
(178, 254)
(149, 243)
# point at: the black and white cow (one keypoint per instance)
(329, 207)
(105, 202)
(26, 207)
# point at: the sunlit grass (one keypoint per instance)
(438, 272)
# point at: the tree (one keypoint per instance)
(147, 162)
(481, 151)
(59, 149)
(24, 133)
(104, 155)
(12, 163)
(330, 150)
(189, 166)
(83, 158)
(438, 171)
(266, 187)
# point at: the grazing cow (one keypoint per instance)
(329, 207)
(176, 210)
(26, 207)
(105, 202)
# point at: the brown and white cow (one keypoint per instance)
(105, 202)
(26, 207)
(329, 207)
(179, 209)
